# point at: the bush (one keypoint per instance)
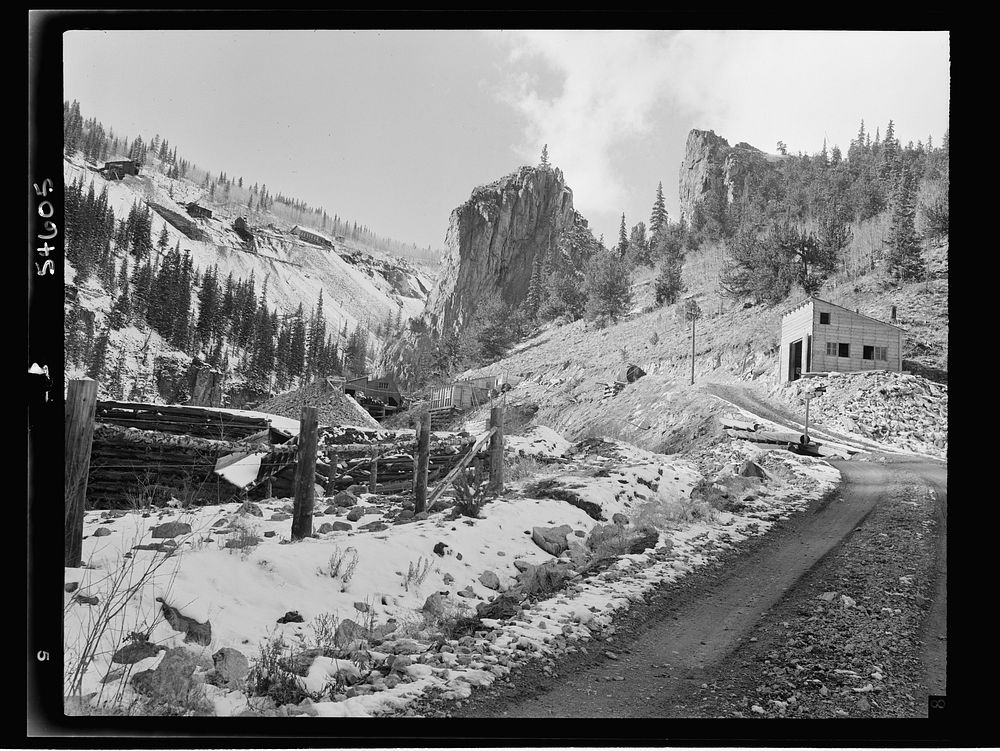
(608, 286)
(416, 573)
(341, 565)
(520, 467)
(470, 491)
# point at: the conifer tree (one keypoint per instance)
(545, 155)
(608, 286)
(903, 252)
(658, 216)
(622, 246)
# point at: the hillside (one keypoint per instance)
(362, 289)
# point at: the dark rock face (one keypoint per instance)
(709, 158)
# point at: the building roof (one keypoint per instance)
(811, 300)
(314, 233)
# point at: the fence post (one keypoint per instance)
(81, 402)
(373, 474)
(331, 476)
(305, 476)
(496, 451)
(420, 467)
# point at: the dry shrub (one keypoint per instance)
(521, 467)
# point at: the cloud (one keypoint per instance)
(584, 93)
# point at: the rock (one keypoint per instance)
(551, 539)
(324, 528)
(434, 605)
(195, 632)
(405, 514)
(467, 592)
(292, 616)
(645, 539)
(280, 516)
(171, 529)
(826, 596)
(331, 509)
(102, 532)
(750, 469)
(345, 499)
(348, 631)
(448, 578)
(341, 527)
(171, 682)
(362, 607)
(847, 602)
(231, 667)
(135, 651)
(383, 630)
(354, 514)
(85, 599)
(421, 516)
(500, 607)
(375, 526)
(440, 549)
(495, 238)
(579, 553)
(620, 519)
(71, 586)
(490, 580)
(579, 533)
(543, 579)
(249, 507)
(270, 533)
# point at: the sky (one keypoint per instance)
(393, 129)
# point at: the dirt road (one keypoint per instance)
(680, 642)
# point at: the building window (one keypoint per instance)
(843, 350)
(831, 349)
(824, 317)
(882, 353)
(868, 352)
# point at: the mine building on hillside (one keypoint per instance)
(242, 229)
(117, 169)
(820, 337)
(198, 212)
(379, 395)
(312, 236)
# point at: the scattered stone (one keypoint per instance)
(375, 526)
(551, 539)
(280, 516)
(292, 616)
(405, 514)
(355, 513)
(448, 578)
(71, 586)
(827, 596)
(847, 602)
(467, 592)
(195, 632)
(345, 499)
(440, 548)
(620, 520)
(135, 651)
(750, 469)
(85, 599)
(102, 532)
(348, 631)
(231, 667)
(249, 507)
(270, 533)
(434, 605)
(490, 580)
(171, 529)
(172, 681)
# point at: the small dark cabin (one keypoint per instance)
(199, 212)
(117, 169)
(379, 395)
(243, 229)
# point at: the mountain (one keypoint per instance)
(361, 289)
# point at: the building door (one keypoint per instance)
(809, 352)
(795, 360)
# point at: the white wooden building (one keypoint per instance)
(819, 337)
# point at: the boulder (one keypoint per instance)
(500, 607)
(172, 681)
(135, 651)
(434, 605)
(249, 507)
(195, 632)
(552, 539)
(490, 580)
(750, 469)
(324, 528)
(280, 516)
(292, 616)
(354, 514)
(171, 529)
(102, 532)
(440, 548)
(340, 526)
(620, 519)
(345, 499)
(348, 631)
(231, 667)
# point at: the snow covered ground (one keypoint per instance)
(240, 573)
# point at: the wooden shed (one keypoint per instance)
(379, 395)
(198, 212)
(242, 229)
(819, 337)
(312, 236)
(117, 169)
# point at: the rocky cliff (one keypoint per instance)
(493, 240)
(709, 160)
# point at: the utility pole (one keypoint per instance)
(692, 350)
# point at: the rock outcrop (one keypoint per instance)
(711, 163)
(494, 239)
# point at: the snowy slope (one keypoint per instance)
(296, 271)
